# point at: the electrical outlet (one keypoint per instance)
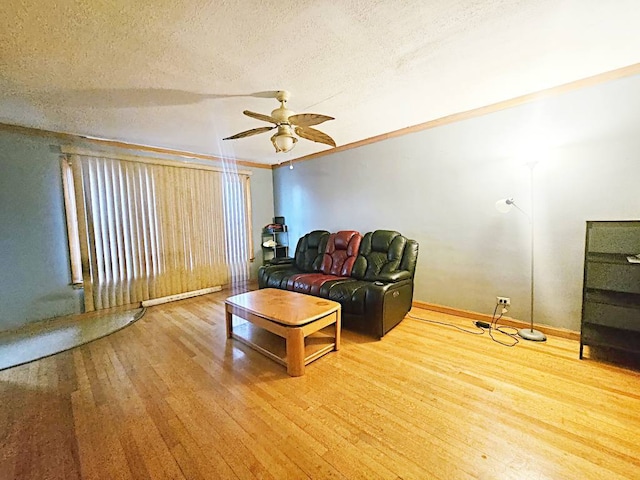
(503, 301)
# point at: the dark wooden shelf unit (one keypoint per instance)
(611, 292)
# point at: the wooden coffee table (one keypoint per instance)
(279, 314)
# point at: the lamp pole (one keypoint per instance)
(530, 333)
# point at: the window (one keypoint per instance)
(150, 228)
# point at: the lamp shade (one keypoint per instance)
(504, 205)
(285, 142)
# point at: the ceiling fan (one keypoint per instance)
(287, 122)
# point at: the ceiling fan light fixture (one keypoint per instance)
(284, 142)
(287, 122)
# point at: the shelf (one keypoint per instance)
(615, 258)
(616, 237)
(621, 299)
(280, 250)
(274, 232)
(612, 316)
(601, 336)
(275, 347)
(611, 289)
(620, 277)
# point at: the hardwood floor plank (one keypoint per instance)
(171, 397)
(188, 464)
(204, 435)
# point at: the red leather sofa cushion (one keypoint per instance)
(337, 262)
(341, 253)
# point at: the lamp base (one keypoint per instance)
(531, 334)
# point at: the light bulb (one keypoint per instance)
(285, 142)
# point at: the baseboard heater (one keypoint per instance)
(179, 296)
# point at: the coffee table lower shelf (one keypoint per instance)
(275, 347)
(285, 326)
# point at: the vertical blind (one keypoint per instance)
(150, 230)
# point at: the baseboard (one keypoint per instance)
(179, 296)
(546, 329)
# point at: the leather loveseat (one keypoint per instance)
(371, 275)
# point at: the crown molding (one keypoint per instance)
(71, 137)
(480, 111)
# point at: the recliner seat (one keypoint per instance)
(382, 294)
(338, 259)
(308, 258)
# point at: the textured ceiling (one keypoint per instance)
(173, 73)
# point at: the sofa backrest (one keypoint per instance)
(410, 257)
(383, 254)
(341, 253)
(310, 250)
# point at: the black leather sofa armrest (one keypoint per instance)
(393, 276)
(273, 268)
(281, 261)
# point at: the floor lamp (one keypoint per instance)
(504, 206)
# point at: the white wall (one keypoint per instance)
(439, 186)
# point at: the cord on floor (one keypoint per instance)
(493, 327)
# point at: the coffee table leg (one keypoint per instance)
(338, 327)
(295, 352)
(229, 322)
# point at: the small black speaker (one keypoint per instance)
(278, 220)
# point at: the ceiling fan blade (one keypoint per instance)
(260, 116)
(315, 135)
(308, 119)
(248, 133)
(265, 94)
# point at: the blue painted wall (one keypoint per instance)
(439, 186)
(34, 261)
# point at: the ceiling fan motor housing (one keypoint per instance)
(282, 114)
(284, 130)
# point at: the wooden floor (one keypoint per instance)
(170, 397)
